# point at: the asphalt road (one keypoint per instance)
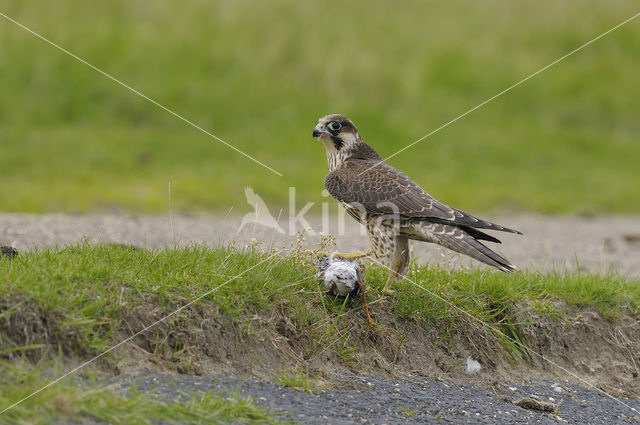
(407, 400)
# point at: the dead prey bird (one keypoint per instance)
(393, 208)
(342, 277)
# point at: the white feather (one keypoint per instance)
(473, 366)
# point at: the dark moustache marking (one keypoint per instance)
(337, 142)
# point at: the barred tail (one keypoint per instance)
(459, 240)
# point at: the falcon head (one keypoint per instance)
(337, 132)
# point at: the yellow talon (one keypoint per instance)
(388, 291)
(345, 255)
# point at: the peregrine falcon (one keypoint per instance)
(393, 208)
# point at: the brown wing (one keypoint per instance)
(378, 187)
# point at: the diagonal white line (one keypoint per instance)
(508, 337)
(507, 89)
(136, 334)
(111, 77)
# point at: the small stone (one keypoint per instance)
(531, 404)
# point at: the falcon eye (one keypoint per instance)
(334, 126)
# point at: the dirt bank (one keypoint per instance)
(579, 346)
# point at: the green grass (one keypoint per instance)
(486, 291)
(87, 288)
(299, 379)
(81, 400)
(259, 76)
(83, 292)
(408, 412)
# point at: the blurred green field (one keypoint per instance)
(259, 74)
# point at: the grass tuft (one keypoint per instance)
(298, 379)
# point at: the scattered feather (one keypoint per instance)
(473, 366)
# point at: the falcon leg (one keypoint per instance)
(399, 263)
(387, 287)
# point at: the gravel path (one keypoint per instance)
(550, 242)
(407, 400)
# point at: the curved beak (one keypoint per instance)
(319, 130)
